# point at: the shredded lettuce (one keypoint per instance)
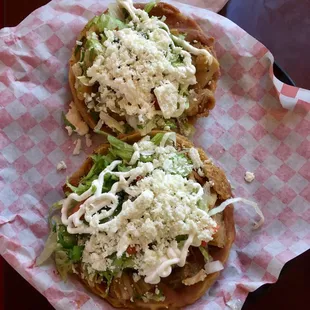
(93, 49)
(50, 247)
(116, 11)
(157, 138)
(181, 238)
(171, 123)
(106, 21)
(93, 43)
(108, 275)
(101, 132)
(63, 263)
(112, 122)
(205, 254)
(121, 197)
(120, 148)
(100, 162)
(82, 187)
(75, 254)
(146, 158)
(177, 60)
(162, 138)
(55, 206)
(66, 240)
(92, 22)
(109, 180)
(123, 168)
(65, 247)
(121, 263)
(149, 6)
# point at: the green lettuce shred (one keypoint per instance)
(149, 6)
(75, 253)
(171, 123)
(108, 275)
(106, 21)
(205, 253)
(120, 148)
(66, 240)
(157, 138)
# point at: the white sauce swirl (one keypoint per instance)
(160, 207)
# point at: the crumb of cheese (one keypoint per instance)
(88, 140)
(61, 166)
(78, 145)
(249, 176)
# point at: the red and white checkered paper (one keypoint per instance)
(259, 124)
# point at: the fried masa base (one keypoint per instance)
(178, 23)
(185, 295)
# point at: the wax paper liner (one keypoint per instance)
(259, 124)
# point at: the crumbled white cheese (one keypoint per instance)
(61, 166)
(74, 117)
(160, 206)
(79, 42)
(133, 66)
(78, 146)
(169, 99)
(88, 140)
(249, 176)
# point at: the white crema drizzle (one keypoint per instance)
(98, 206)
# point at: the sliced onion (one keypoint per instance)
(214, 266)
(168, 136)
(227, 202)
(50, 247)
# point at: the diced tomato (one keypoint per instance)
(131, 250)
(138, 178)
(203, 243)
(76, 208)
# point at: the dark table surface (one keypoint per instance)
(283, 26)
